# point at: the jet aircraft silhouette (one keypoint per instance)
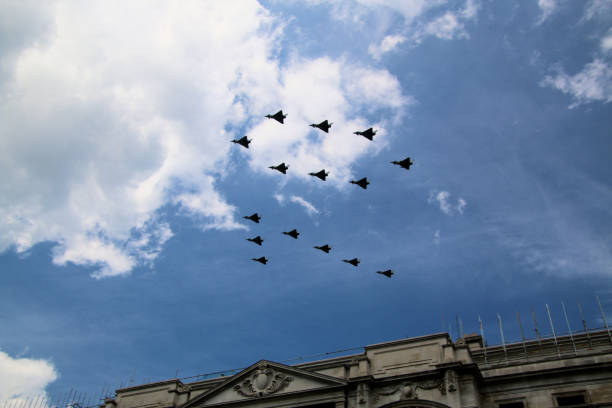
(324, 126)
(261, 259)
(321, 174)
(258, 240)
(363, 183)
(281, 167)
(325, 248)
(278, 116)
(293, 233)
(368, 133)
(243, 141)
(254, 217)
(406, 163)
(388, 273)
(353, 261)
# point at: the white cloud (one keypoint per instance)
(442, 198)
(314, 90)
(308, 206)
(445, 204)
(310, 209)
(352, 11)
(550, 239)
(23, 378)
(445, 27)
(597, 9)
(461, 203)
(593, 83)
(470, 10)
(210, 206)
(102, 119)
(409, 9)
(112, 110)
(448, 26)
(419, 20)
(436, 238)
(606, 42)
(547, 7)
(389, 43)
(557, 248)
(280, 198)
(535, 57)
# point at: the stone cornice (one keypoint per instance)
(174, 381)
(452, 364)
(409, 340)
(408, 377)
(580, 368)
(331, 362)
(361, 379)
(208, 384)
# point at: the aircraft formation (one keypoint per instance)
(322, 175)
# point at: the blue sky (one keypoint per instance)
(122, 243)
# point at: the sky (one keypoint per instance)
(123, 251)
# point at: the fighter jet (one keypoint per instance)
(243, 141)
(321, 174)
(254, 217)
(257, 240)
(406, 163)
(281, 167)
(293, 233)
(388, 273)
(324, 126)
(368, 133)
(363, 183)
(261, 259)
(325, 248)
(353, 261)
(277, 116)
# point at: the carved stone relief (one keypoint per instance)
(451, 380)
(409, 390)
(362, 393)
(431, 384)
(264, 381)
(386, 391)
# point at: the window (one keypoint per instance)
(569, 400)
(516, 404)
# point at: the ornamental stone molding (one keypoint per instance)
(432, 384)
(386, 391)
(362, 393)
(450, 378)
(264, 381)
(409, 390)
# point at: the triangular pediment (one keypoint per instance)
(265, 379)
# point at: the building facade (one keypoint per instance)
(427, 371)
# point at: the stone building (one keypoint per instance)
(427, 371)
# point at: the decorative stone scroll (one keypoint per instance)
(450, 378)
(362, 393)
(409, 390)
(264, 381)
(386, 391)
